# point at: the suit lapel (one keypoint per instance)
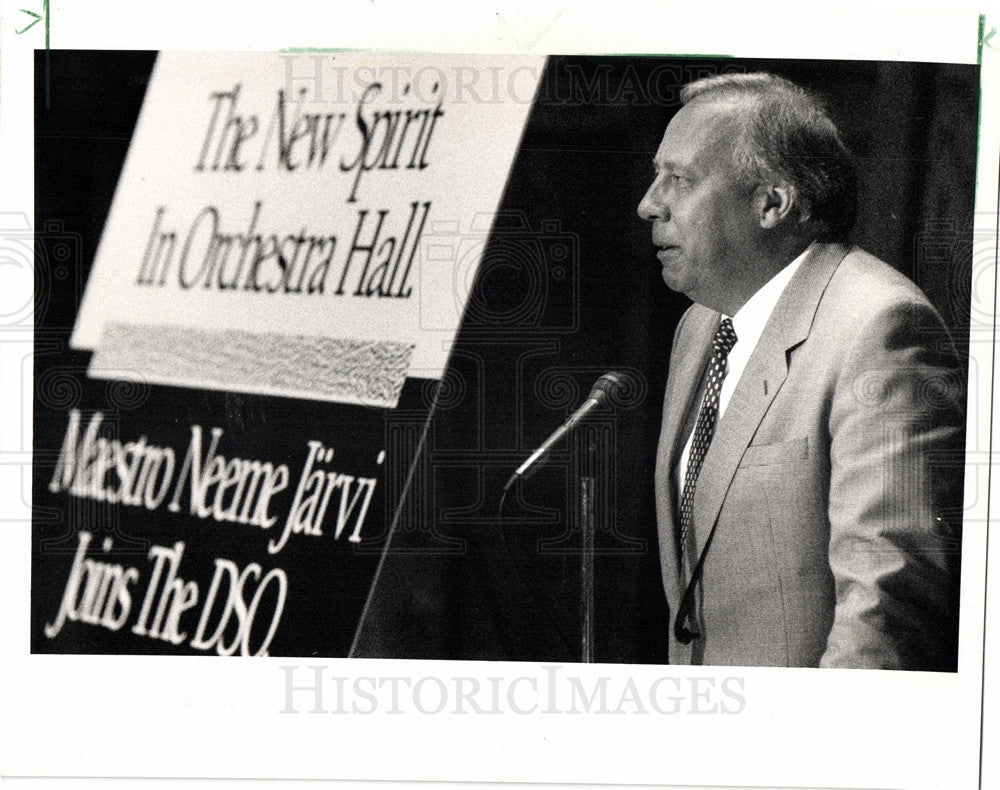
(765, 372)
(684, 382)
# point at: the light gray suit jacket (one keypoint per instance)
(827, 513)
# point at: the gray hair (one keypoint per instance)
(785, 132)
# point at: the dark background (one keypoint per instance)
(569, 288)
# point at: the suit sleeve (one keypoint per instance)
(896, 460)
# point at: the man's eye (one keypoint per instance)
(671, 179)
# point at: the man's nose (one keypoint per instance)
(651, 207)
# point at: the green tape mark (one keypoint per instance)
(38, 18)
(979, 109)
(981, 41)
(323, 50)
(665, 55)
(536, 39)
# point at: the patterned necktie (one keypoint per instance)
(722, 344)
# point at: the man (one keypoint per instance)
(806, 478)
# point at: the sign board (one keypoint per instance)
(273, 300)
(298, 236)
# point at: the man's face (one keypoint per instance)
(704, 222)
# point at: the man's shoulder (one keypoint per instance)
(847, 288)
(867, 284)
(870, 305)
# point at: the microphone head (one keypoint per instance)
(609, 385)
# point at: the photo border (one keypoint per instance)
(217, 717)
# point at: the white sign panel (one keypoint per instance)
(286, 233)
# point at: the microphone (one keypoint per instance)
(609, 384)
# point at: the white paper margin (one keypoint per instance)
(148, 716)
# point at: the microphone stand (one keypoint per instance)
(587, 539)
(606, 385)
(587, 568)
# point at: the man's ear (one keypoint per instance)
(777, 203)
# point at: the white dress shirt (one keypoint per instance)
(748, 324)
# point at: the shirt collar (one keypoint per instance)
(749, 320)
